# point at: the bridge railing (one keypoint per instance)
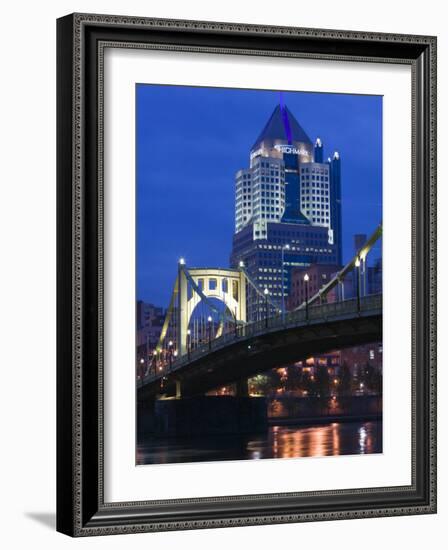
(315, 313)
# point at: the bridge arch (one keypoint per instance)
(195, 284)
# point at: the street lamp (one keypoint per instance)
(140, 370)
(188, 343)
(170, 352)
(358, 285)
(266, 294)
(181, 261)
(285, 247)
(241, 264)
(306, 278)
(155, 360)
(209, 319)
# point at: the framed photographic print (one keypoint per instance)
(246, 274)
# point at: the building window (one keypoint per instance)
(212, 284)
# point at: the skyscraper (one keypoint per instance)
(287, 206)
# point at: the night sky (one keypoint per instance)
(191, 142)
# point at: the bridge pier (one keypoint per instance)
(242, 388)
(210, 415)
(145, 417)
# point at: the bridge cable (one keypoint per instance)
(361, 254)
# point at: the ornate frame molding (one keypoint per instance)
(81, 42)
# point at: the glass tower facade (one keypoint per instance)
(287, 207)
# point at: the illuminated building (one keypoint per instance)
(149, 322)
(287, 206)
(318, 276)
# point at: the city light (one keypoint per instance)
(264, 301)
(285, 247)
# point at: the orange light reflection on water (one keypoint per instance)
(314, 441)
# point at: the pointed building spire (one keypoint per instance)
(282, 125)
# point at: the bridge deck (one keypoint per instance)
(329, 319)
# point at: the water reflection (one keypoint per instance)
(331, 439)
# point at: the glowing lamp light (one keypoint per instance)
(266, 291)
(241, 264)
(306, 277)
(142, 361)
(170, 343)
(209, 319)
(175, 353)
(188, 332)
(357, 262)
(181, 261)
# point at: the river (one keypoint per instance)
(292, 441)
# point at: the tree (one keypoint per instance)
(346, 380)
(369, 376)
(307, 384)
(322, 382)
(376, 382)
(294, 378)
(266, 383)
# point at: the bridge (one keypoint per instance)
(218, 346)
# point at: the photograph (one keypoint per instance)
(259, 274)
(246, 273)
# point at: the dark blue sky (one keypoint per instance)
(190, 143)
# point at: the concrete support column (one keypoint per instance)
(242, 388)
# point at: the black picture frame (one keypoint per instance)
(81, 510)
